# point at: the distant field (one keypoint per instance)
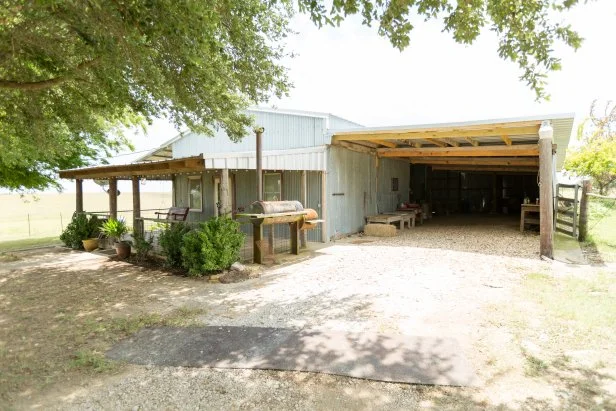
(49, 214)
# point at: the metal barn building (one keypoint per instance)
(346, 171)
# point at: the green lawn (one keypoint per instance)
(28, 243)
(602, 227)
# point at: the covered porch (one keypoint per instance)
(489, 167)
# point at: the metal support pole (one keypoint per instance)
(259, 134)
(304, 197)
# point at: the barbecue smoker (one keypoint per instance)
(262, 213)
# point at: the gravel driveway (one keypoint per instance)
(434, 280)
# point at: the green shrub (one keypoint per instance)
(80, 228)
(143, 245)
(214, 246)
(171, 241)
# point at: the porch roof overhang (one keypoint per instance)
(160, 170)
(506, 145)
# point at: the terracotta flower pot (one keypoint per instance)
(90, 244)
(123, 250)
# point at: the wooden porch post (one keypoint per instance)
(259, 168)
(137, 227)
(79, 195)
(583, 225)
(113, 198)
(546, 197)
(224, 192)
(304, 198)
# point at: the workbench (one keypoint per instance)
(529, 214)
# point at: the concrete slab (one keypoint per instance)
(567, 250)
(395, 358)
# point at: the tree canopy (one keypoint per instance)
(596, 157)
(75, 73)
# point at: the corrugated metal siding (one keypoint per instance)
(336, 122)
(388, 200)
(282, 131)
(181, 196)
(350, 191)
(562, 134)
(313, 158)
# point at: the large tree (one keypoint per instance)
(74, 73)
(596, 156)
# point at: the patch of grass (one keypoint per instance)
(59, 321)
(534, 367)
(9, 257)
(92, 360)
(28, 243)
(580, 311)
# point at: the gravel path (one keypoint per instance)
(431, 281)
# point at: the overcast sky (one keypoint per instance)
(352, 72)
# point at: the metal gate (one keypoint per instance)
(566, 210)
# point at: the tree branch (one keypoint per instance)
(45, 84)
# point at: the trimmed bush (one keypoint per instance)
(214, 246)
(171, 240)
(80, 228)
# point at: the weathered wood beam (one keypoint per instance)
(523, 150)
(518, 169)
(113, 199)
(451, 142)
(384, 143)
(546, 198)
(417, 145)
(79, 195)
(137, 223)
(420, 135)
(506, 139)
(196, 163)
(438, 143)
(355, 147)
(486, 161)
(471, 140)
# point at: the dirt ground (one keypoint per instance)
(482, 285)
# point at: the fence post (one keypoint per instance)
(583, 224)
(575, 211)
(61, 224)
(29, 225)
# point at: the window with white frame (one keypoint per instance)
(272, 187)
(195, 193)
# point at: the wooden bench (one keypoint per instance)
(408, 218)
(385, 219)
(173, 214)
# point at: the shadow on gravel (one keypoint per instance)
(396, 358)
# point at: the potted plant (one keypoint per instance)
(94, 228)
(116, 229)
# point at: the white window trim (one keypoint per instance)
(200, 210)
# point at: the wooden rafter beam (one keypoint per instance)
(506, 139)
(437, 143)
(501, 169)
(522, 150)
(472, 141)
(384, 143)
(421, 135)
(452, 142)
(486, 168)
(485, 161)
(355, 147)
(417, 145)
